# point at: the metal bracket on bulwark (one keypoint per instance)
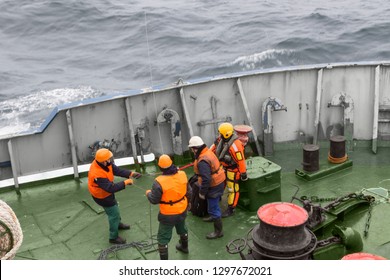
(346, 102)
(215, 120)
(172, 117)
(269, 105)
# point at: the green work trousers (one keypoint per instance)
(114, 219)
(164, 234)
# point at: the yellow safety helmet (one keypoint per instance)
(103, 155)
(164, 161)
(226, 130)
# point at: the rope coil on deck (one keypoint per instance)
(11, 235)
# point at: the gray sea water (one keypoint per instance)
(55, 52)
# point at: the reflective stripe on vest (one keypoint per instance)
(95, 171)
(217, 172)
(174, 189)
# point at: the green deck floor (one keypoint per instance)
(61, 221)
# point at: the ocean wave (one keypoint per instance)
(51, 46)
(253, 61)
(371, 33)
(46, 99)
(29, 111)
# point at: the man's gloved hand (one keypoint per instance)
(244, 177)
(201, 196)
(128, 182)
(135, 175)
(147, 192)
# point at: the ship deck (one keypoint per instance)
(60, 221)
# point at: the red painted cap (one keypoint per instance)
(362, 256)
(242, 128)
(282, 214)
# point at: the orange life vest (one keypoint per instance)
(217, 172)
(174, 189)
(95, 171)
(230, 154)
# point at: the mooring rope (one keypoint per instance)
(151, 82)
(139, 245)
(11, 236)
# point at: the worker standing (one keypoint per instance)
(171, 190)
(211, 182)
(102, 188)
(230, 152)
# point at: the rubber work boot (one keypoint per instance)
(217, 233)
(183, 244)
(208, 219)
(228, 212)
(163, 250)
(123, 226)
(118, 240)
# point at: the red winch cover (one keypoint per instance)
(282, 214)
(362, 256)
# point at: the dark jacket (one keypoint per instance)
(155, 197)
(205, 172)
(109, 186)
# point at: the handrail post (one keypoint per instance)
(72, 144)
(186, 113)
(318, 106)
(376, 110)
(132, 134)
(14, 167)
(248, 115)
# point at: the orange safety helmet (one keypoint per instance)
(164, 161)
(226, 130)
(103, 155)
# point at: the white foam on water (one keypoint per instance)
(25, 112)
(11, 130)
(250, 62)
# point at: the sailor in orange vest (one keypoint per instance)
(230, 152)
(172, 191)
(102, 188)
(211, 182)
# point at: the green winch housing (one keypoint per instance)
(263, 185)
